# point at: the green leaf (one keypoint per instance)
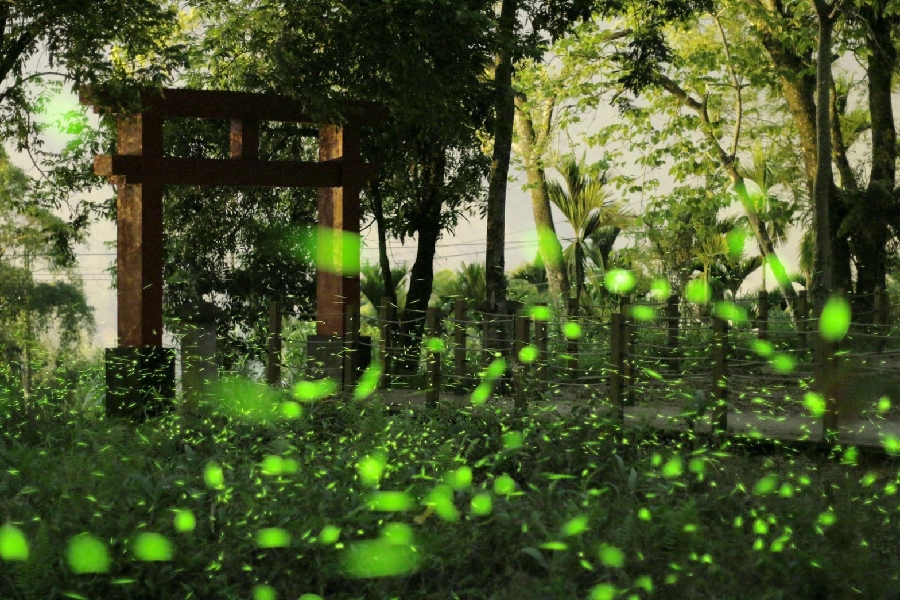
(611, 556)
(835, 319)
(273, 537)
(13, 545)
(152, 547)
(86, 554)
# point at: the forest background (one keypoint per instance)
(671, 106)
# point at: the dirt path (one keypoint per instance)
(786, 427)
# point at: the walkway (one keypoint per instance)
(864, 433)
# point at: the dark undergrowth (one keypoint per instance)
(487, 506)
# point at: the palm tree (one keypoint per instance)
(585, 204)
(372, 283)
(469, 283)
(716, 257)
(777, 214)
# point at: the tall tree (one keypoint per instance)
(533, 135)
(547, 101)
(709, 83)
(555, 19)
(505, 112)
(29, 309)
(823, 274)
(117, 44)
(79, 40)
(873, 217)
(785, 33)
(425, 61)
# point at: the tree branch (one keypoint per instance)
(15, 52)
(546, 124)
(738, 101)
(676, 90)
(839, 151)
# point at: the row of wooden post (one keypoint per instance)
(621, 367)
(522, 327)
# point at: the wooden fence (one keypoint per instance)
(614, 352)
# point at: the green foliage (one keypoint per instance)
(372, 284)
(568, 505)
(41, 322)
(88, 41)
(239, 245)
(596, 220)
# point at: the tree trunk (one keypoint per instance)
(870, 245)
(549, 246)
(823, 284)
(495, 263)
(799, 88)
(422, 272)
(579, 271)
(729, 163)
(390, 291)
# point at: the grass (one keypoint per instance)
(485, 505)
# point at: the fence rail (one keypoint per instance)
(627, 353)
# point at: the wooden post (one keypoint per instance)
(878, 319)
(199, 371)
(878, 316)
(140, 370)
(762, 323)
(522, 334)
(139, 220)
(273, 349)
(673, 317)
(337, 288)
(388, 327)
(351, 347)
(459, 339)
(541, 341)
(825, 363)
(616, 361)
(719, 414)
(244, 140)
(487, 337)
(802, 315)
(572, 343)
(522, 327)
(433, 366)
(627, 352)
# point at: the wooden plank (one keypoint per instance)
(433, 366)
(273, 347)
(244, 139)
(388, 314)
(459, 339)
(339, 211)
(719, 415)
(240, 173)
(672, 318)
(616, 361)
(350, 343)
(139, 265)
(541, 340)
(762, 323)
(219, 104)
